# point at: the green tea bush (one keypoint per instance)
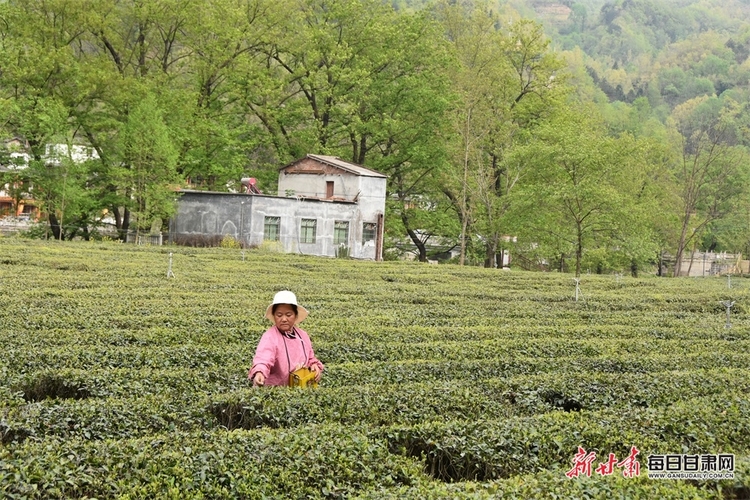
(117, 381)
(323, 462)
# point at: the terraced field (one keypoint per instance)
(117, 381)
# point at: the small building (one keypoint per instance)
(16, 190)
(16, 202)
(324, 206)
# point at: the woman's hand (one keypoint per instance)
(259, 379)
(316, 370)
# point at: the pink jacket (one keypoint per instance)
(277, 356)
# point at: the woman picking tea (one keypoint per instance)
(284, 348)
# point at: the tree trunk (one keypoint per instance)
(579, 250)
(681, 246)
(126, 223)
(122, 222)
(692, 259)
(490, 259)
(660, 259)
(465, 193)
(421, 248)
(464, 228)
(54, 225)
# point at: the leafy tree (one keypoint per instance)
(150, 158)
(218, 138)
(38, 81)
(355, 79)
(578, 17)
(430, 224)
(711, 172)
(585, 195)
(132, 50)
(60, 186)
(507, 83)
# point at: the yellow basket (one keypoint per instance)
(302, 377)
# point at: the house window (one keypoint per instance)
(341, 233)
(307, 231)
(271, 228)
(368, 231)
(329, 189)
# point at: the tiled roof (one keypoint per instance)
(337, 162)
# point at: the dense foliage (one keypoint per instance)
(118, 381)
(576, 134)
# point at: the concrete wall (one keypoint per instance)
(368, 192)
(371, 197)
(310, 178)
(712, 264)
(314, 186)
(243, 217)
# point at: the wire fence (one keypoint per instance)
(144, 238)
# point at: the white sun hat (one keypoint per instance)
(286, 297)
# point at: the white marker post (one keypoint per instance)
(728, 305)
(170, 274)
(578, 288)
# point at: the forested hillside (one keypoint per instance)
(653, 61)
(669, 52)
(578, 135)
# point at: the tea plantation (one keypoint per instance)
(117, 381)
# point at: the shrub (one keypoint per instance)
(198, 240)
(229, 241)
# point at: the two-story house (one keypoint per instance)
(324, 206)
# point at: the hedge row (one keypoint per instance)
(554, 484)
(416, 402)
(322, 462)
(501, 448)
(81, 404)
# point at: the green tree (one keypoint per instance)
(150, 158)
(711, 172)
(39, 83)
(507, 81)
(219, 139)
(586, 195)
(133, 49)
(63, 186)
(578, 17)
(356, 79)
